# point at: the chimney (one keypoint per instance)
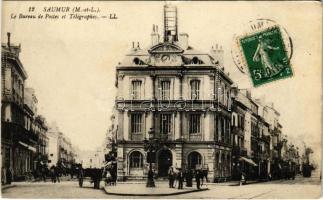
(154, 36)
(170, 23)
(217, 53)
(183, 40)
(8, 34)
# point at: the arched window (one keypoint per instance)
(137, 61)
(136, 160)
(194, 160)
(195, 89)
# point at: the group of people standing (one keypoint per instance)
(187, 176)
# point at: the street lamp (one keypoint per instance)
(150, 147)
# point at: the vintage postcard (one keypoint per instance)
(161, 99)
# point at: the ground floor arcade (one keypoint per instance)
(132, 159)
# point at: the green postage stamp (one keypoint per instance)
(265, 55)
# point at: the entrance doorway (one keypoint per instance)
(194, 160)
(165, 160)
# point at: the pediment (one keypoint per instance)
(165, 48)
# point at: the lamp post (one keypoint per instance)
(150, 146)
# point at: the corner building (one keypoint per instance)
(182, 96)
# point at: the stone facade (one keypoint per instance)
(170, 88)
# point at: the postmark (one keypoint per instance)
(264, 53)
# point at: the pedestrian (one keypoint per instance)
(243, 179)
(198, 176)
(180, 178)
(80, 176)
(56, 172)
(52, 174)
(189, 177)
(171, 177)
(3, 175)
(9, 175)
(43, 173)
(186, 176)
(206, 174)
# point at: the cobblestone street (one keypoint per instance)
(299, 188)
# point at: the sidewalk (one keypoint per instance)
(140, 189)
(3, 187)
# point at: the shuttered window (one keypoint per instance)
(195, 124)
(136, 123)
(165, 90)
(165, 123)
(136, 89)
(195, 89)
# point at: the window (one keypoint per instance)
(136, 89)
(222, 130)
(195, 89)
(228, 98)
(228, 131)
(165, 90)
(165, 123)
(136, 160)
(195, 124)
(222, 95)
(233, 120)
(242, 122)
(218, 129)
(136, 123)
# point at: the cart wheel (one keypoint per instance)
(81, 182)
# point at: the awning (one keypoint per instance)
(251, 162)
(28, 146)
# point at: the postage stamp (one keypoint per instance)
(263, 50)
(265, 56)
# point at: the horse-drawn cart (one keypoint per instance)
(94, 174)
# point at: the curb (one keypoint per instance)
(4, 187)
(160, 194)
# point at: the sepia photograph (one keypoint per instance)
(161, 99)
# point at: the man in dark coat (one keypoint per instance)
(9, 175)
(56, 172)
(171, 177)
(189, 177)
(198, 177)
(180, 178)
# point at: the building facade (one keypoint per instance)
(201, 119)
(170, 89)
(18, 142)
(60, 149)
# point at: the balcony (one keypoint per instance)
(195, 137)
(137, 137)
(239, 151)
(165, 137)
(13, 131)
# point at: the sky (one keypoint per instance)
(71, 63)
